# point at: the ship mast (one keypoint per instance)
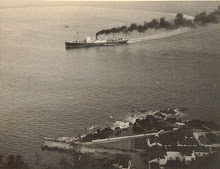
(77, 36)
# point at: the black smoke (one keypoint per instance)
(179, 21)
(204, 18)
(112, 30)
(154, 24)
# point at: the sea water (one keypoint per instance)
(48, 91)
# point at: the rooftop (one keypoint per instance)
(188, 141)
(203, 140)
(211, 137)
(156, 152)
(183, 150)
(154, 139)
(202, 149)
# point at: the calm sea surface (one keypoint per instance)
(48, 91)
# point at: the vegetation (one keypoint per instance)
(99, 134)
(13, 162)
(88, 161)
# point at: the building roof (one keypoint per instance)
(172, 148)
(189, 134)
(154, 139)
(156, 152)
(168, 139)
(186, 151)
(203, 140)
(183, 150)
(188, 141)
(217, 140)
(202, 149)
(122, 160)
(213, 138)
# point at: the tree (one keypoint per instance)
(11, 161)
(1, 156)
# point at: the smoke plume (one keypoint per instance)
(179, 21)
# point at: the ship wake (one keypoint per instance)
(155, 35)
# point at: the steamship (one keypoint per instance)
(88, 42)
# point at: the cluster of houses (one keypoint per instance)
(120, 161)
(123, 164)
(182, 143)
(184, 151)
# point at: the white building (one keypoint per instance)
(157, 154)
(189, 157)
(174, 155)
(183, 154)
(123, 164)
(161, 161)
(203, 151)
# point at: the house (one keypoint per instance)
(180, 124)
(168, 139)
(157, 154)
(189, 157)
(207, 139)
(122, 162)
(213, 138)
(203, 151)
(123, 166)
(161, 161)
(173, 154)
(188, 154)
(188, 141)
(154, 141)
(182, 154)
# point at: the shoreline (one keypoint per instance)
(138, 124)
(137, 137)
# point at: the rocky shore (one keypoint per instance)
(142, 134)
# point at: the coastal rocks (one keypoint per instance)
(121, 125)
(56, 144)
(68, 139)
(137, 122)
(162, 129)
(99, 134)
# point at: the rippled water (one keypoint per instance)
(47, 91)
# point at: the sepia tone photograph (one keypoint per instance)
(109, 84)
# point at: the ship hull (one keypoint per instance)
(82, 45)
(92, 44)
(117, 42)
